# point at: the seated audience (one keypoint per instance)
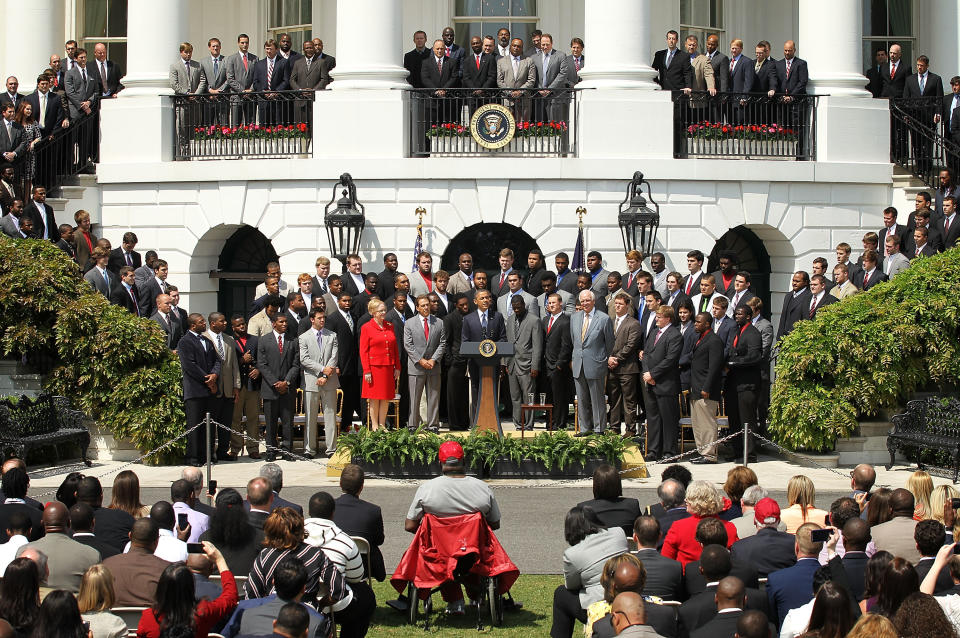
(711, 531)
(876, 568)
(136, 573)
(292, 621)
(322, 532)
(126, 495)
(67, 492)
(360, 518)
(715, 566)
(930, 536)
(15, 484)
(940, 496)
(703, 500)
(792, 587)
(921, 616)
(753, 624)
(832, 614)
(176, 604)
(664, 575)
(739, 478)
(855, 536)
(170, 546)
(181, 493)
(20, 595)
(40, 559)
(113, 526)
(626, 573)
(232, 532)
(59, 617)
(609, 504)
(896, 535)
(259, 503)
(67, 560)
(194, 476)
(878, 507)
(950, 602)
(671, 508)
(731, 602)
(274, 473)
(801, 495)
(745, 524)
(81, 523)
(768, 550)
(843, 510)
(873, 626)
(95, 600)
(629, 616)
(920, 484)
(201, 568)
(899, 581)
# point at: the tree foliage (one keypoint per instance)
(867, 354)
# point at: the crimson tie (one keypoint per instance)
(866, 278)
(550, 325)
(576, 63)
(478, 63)
(280, 343)
(893, 70)
(426, 329)
(813, 307)
(244, 58)
(733, 63)
(689, 284)
(502, 276)
(630, 281)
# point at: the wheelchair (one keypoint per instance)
(482, 596)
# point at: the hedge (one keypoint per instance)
(867, 354)
(112, 365)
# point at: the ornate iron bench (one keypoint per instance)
(45, 421)
(932, 423)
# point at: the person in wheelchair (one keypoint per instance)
(452, 494)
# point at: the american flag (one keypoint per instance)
(578, 264)
(417, 246)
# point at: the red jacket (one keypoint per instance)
(378, 346)
(681, 542)
(432, 556)
(206, 616)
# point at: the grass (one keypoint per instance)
(535, 592)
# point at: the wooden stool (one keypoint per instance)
(532, 408)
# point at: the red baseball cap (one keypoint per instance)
(766, 511)
(450, 450)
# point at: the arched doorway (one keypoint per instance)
(484, 242)
(751, 255)
(243, 261)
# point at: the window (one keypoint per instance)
(294, 18)
(486, 17)
(701, 18)
(886, 22)
(104, 21)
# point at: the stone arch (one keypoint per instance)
(484, 242)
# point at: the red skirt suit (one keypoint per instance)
(379, 356)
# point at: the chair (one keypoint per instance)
(686, 419)
(130, 616)
(364, 548)
(394, 403)
(241, 584)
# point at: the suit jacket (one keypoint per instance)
(952, 234)
(277, 366)
(661, 358)
(664, 575)
(566, 299)
(599, 285)
(527, 340)
(313, 360)
(702, 74)
(118, 261)
(348, 354)
(357, 517)
(15, 142)
(279, 80)
(473, 331)
(113, 76)
(183, 83)
(895, 264)
(507, 311)
(197, 361)
(896, 537)
(583, 563)
(949, 116)
(876, 277)
(721, 70)
(250, 345)
(826, 300)
(54, 115)
(893, 87)
(68, 560)
(791, 587)
(706, 366)
(91, 540)
(413, 63)
(793, 310)
(525, 78)
(745, 296)
(844, 290)
(926, 251)
(679, 75)
(556, 74)
(8, 509)
(796, 84)
(573, 69)
(316, 78)
(148, 296)
(932, 88)
(729, 290)
(767, 76)
(742, 78)
(173, 330)
(590, 354)
(229, 379)
(768, 550)
(238, 77)
(626, 345)
(702, 608)
(78, 91)
(557, 344)
(445, 78)
(417, 347)
(874, 77)
(135, 577)
(45, 220)
(121, 297)
(944, 581)
(8, 227)
(745, 360)
(101, 285)
(217, 81)
(855, 565)
(15, 100)
(484, 77)
(112, 526)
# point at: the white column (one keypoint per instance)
(831, 41)
(943, 50)
(154, 33)
(626, 65)
(30, 39)
(370, 33)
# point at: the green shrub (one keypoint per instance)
(112, 365)
(867, 354)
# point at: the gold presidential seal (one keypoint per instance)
(492, 126)
(487, 348)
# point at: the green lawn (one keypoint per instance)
(535, 592)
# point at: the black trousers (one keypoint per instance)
(280, 409)
(561, 389)
(404, 390)
(354, 619)
(741, 409)
(221, 411)
(196, 410)
(350, 384)
(458, 412)
(566, 611)
(663, 422)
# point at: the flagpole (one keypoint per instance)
(418, 245)
(577, 264)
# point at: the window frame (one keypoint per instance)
(87, 42)
(870, 41)
(508, 20)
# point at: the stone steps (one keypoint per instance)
(869, 446)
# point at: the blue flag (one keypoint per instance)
(578, 263)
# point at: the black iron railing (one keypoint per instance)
(544, 122)
(67, 152)
(739, 125)
(235, 125)
(919, 139)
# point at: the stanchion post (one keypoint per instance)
(746, 439)
(206, 422)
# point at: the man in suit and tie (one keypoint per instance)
(515, 289)
(706, 367)
(47, 108)
(703, 81)
(278, 360)
(949, 228)
(10, 223)
(724, 278)
(870, 274)
(741, 293)
(514, 74)
(950, 116)
(341, 322)
(186, 76)
(360, 518)
(923, 84)
(213, 67)
(742, 78)
(104, 72)
(894, 80)
(794, 302)
(456, 395)
(766, 77)
(125, 255)
(228, 383)
(921, 246)
(792, 76)
(691, 283)
(479, 71)
(308, 74)
(398, 316)
(819, 296)
(353, 280)
(664, 575)
(99, 277)
(743, 379)
(890, 226)
(661, 384)
(874, 74)
(575, 61)
(440, 73)
(413, 59)
(591, 333)
(557, 353)
(552, 75)
(271, 74)
(126, 293)
(791, 587)
(157, 285)
(423, 341)
(522, 369)
(566, 278)
(13, 140)
(895, 262)
(498, 285)
(170, 325)
(670, 76)
(462, 280)
(240, 80)
(83, 97)
(44, 223)
(485, 323)
(201, 372)
(719, 62)
(598, 275)
(623, 366)
(453, 51)
(534, 47)
(248, 400)
(11, 96)
(318, 361)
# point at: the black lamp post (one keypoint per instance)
(635, 215)
(344, 222)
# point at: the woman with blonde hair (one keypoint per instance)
(95, 599)
(920, 484)
(938, 500)
(703, 501)
(380, 359)
(800, 500)
(873, 626)
(126, 495)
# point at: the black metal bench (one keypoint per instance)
(29, 423)
(932, 423)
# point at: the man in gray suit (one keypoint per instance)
(424, 342)
(516, 72)
(318, 361)
(592, 334)
(549, 286)
(67, 559)
(98, 276)
(13, 140)
(552, 75)
(310, 73)
(214, 68)
(766, 339)
(278, 360)
(896, 535)
(575, 61)
(83, 97)
(524, 332)
(597, 273)
(515, 289)
(10, 223)
(170, 324)
(661, 385)
(228, 382)
(895, 262)
(186, 76)
(240, 79)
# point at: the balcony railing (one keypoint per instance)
(68, 152)
(919, 141)
(738, 125)
(235, 125)
(544, 123)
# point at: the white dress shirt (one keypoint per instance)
(169, 547)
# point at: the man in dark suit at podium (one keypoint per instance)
(485, 323)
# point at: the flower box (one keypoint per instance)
(505, 468)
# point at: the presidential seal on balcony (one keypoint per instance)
(492, 126)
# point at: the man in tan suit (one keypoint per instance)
(623, 365)
(896, 535)
(703, 79)
(67, 559)
(228, 383)
(842, 287)
(517, 72)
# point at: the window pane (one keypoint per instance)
(716, 14)
(463, 31)
(291, 12)
(306, 12)
(874, 17)
(117, 16)
(495, 7)
(522, 30)
(900, 16)
(491, 28)
(276, 13)
(117, 51)
(686, 11)
(524, 7)
(95, 18)
(467, 8)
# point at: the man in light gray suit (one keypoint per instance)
(318, 361)
(515, 285)
(895, 262)
(516, 72)
(575, 61)
(524, 332)
(98, 276)
(240, 79)
(552, 75)
(424, 342)
(228, 383)
(549, 286)
(592, 334)
(214, 69)
(597, 273)
(186, 76)
(81, 90)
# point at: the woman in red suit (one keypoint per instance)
(380, 358)
(703, 501)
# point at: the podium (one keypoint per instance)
(486, 355)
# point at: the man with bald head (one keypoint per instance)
(631, 576)
(136, 573)
(201, 568)
(194, 476)
(67, 559)
(630, 616)
(43, 568)
(896, 535)
(730, 598)
(753, 624)
(862, 479)
(260, 498)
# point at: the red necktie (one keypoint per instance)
(788, 67)
(440, 65)
(733, 63)
(576, 63)
(478, 62)
(426, 329)
(866, 278)
(813, 307)
(448, 52)
(630, 281)
(689, 284)
(657, 338)
(244, 58)
(280, 343)
(550, 325)
(893, 70)
(502, 276)
(737, 338)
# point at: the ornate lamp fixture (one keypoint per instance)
(345, 221)
(635, 215)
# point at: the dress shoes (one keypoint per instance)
(254, 455)
(308, 455)
(702, 460)
(269, 457)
